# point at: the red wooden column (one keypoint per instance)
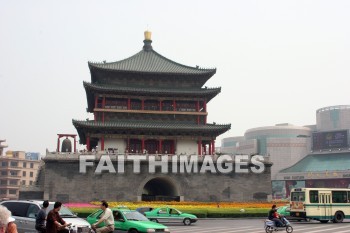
(128, 145)
(102, 143)
(205, 110)
(129, 104)
(88, 143)
(75, 143)
(95, 113)
(58, 144)
(213, 146)
(96, 101)
(210, 150)
(197, 109)
(160, 146)
(142, 145)
(199, 146)
(171, 147)
(103, 106)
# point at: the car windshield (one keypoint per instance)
(64, 211)
(134, 215)
(174, 211)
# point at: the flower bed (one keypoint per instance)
(201, 209)
(189, 205)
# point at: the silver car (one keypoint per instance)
(25, 213)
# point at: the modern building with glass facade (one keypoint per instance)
(284, 144)
(309, 156)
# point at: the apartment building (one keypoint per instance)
(16, 171)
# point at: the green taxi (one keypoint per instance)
(285, 211)
(130, 221)
(167, 214)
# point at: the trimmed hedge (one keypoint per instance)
(234, 215)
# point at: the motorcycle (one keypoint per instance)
(270, 226)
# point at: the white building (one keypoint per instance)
(285, 144)
(302, 156)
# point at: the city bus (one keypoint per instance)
(322, 204)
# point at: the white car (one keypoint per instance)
(24, 213)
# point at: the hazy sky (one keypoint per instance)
(277, 61)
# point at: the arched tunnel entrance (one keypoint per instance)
(160, 189)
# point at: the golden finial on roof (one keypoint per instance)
(148, 35)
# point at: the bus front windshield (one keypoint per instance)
(298, 196)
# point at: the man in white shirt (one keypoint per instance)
(107, 218)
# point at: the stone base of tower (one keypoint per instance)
(63, 181)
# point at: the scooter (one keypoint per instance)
(270, 226)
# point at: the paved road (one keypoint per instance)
(256, 226)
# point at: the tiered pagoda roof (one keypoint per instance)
(148, 74)
(149, 61)
(92, 88)
(149, 127)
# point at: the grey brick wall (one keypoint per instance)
(64, 182)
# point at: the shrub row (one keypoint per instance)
(231, 215)
(84, 214)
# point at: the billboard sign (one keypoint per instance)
(330, 140)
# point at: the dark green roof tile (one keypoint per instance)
(149, 61)
(151, 125)
(147, 90)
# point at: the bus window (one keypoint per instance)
(298, 196)
(313, 196)
(339, 197)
